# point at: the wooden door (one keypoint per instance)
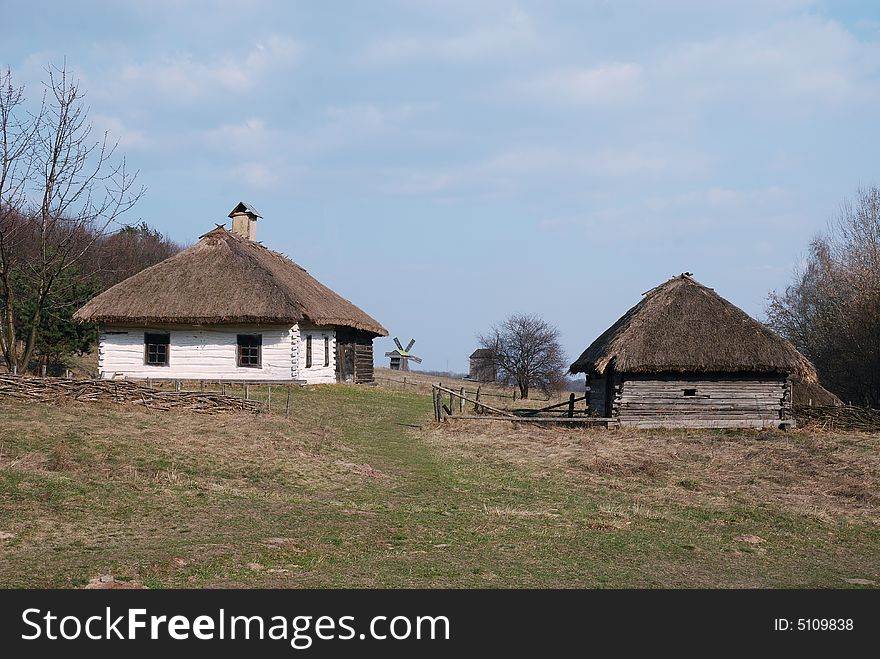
(344, 362)
(609, 391)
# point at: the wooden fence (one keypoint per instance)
(192, 395)
(451, 404)
(514, 395)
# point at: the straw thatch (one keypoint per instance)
(682, 326)
(225, 278)
(812, 394)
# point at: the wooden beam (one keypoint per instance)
(471, 400)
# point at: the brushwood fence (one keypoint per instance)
(195, 396)
(838, 417)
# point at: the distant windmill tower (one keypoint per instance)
(400, 356)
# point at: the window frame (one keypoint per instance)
(257, 342)
(308, 351)
(326, 351)
(166, 345)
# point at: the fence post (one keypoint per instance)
(477, 398)
(461, 401)
(269, 400)
(43, 370)
(247, 391)
(202, 386)
(570, 406)
(287, 409)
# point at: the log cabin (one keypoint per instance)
(229, 308)
(482, 366)
(686, 357)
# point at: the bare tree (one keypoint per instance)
(527, 352)
(831, 311)
(61, 190)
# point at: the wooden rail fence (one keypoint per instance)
(479, 390)
(445, 408)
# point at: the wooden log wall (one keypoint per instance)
(702, 401)
(596, 396)
(363, 361)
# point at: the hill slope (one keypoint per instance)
(359, 488)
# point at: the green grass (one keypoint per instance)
(360, 489)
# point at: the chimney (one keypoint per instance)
(244, 221)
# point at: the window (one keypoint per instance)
(250, 349)
(326, 351)
(690, 393)
(309, 351)
(156, 348)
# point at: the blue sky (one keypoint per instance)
(443, 164)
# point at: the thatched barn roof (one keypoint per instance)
(812, 393)
(682, 326)
(225, 278)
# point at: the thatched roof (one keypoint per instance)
(682, 326)
(225, 278)
(812, 393)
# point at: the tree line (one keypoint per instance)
(63, 193)
(831, 310)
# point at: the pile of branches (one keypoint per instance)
(837, 417)
(51, 390)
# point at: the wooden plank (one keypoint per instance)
(555, 406)
(544, 419)
(471, 400)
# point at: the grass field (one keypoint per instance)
(361, 488)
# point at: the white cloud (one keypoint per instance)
(514, 32)
(372, 117)
(511, 170)
(712, 211)
(717, 198)
(787, 66)
(258, 175)
(248, 136)
(118, 131)
(185, 77)
(611, 82)
(807, 59)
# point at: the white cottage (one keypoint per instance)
(228, 308)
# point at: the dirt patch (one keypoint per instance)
(362, 469)
(108, 582)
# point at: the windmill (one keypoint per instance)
(400, 356)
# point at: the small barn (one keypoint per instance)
(686, 357)
(229, 308)
(482, 366)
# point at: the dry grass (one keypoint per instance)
(821, 474)
(495, 394)
(359, 488)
